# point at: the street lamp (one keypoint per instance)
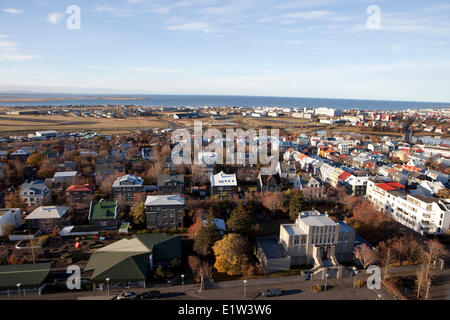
(428, 290)
(107, 282)
(182, 283)
(380, 297)
(18, 287)
(326, 280)
(356, 275)
(245, 282)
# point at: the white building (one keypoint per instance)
(417, 212)
(330, 112)
(9, 216)
(343, 148)
(316, 239)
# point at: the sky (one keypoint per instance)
(295, 48)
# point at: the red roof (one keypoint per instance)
(385, 186)
(344, 176)
(86, 187)
(388, 186)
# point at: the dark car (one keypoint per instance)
(271, 293)
(154, 294)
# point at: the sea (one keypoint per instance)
(212, 100)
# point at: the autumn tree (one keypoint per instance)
(444, 193)
(138, 213)
(106, 185)
(201, 269)
(231, 254)
(46, 170)
(365, 255)
(273, 201)
(239, 221)
(13, 259)
(295, 204)
(207, 236)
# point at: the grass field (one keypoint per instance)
(13, 124)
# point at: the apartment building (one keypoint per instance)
(9, 216)
(127, 186)
(164, 211)
(417, 212)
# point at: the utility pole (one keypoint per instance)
(387, 263)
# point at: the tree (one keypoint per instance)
(35, 160)
(106, 185)
(138, 213)
(206, 237)
(46, 170)
(200, 269)
(231, 254)
(365, 255)
(273, 201)
(159, 272)
(239, 221)
(295, 204)
(443, 193)
(434, 250)
(13, 259)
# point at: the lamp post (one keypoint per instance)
(326, 280)
(428, 290)
(245, 283)
(356, 275)
(107, 283)
(379, 296)
(18, 288)
(182, 283)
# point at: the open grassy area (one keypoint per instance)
(20, 124)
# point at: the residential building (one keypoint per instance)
(223, 184)
(127, 186)
(287, 171)
(79, 194)
(35, 193)
(104, 214)
(9, 216)
(47, 218)
(164, 211)
(269, 183)
(63, 179)
(312, 188)
(417, 212)
(170, 184)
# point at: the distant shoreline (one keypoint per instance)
(68, 98)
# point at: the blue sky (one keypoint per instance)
(299, 48)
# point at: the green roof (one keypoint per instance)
(126, 259)
(102, 210)
(28, 275)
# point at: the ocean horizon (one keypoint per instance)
(160, 100)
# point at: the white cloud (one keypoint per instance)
(55, 17)
(10, 51)
(12, 11)
(397, 47)
(134, 69)
(192, 26)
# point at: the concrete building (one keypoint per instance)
(272, 255)
(164, 211)
(170, 184)
(127, 186)
(317, 240)
(417, 212)
(104, 214)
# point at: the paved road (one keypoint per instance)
(293, 289)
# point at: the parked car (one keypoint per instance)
(271, 293)
(154, 294)
(127, 296)
(174, 280)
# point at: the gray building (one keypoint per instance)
(127, 186)
(164, 211)
(170, 184)
(46, 218)
(272, 254)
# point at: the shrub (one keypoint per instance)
(360, 284)
(316, 288)
(43, 240)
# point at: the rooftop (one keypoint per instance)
(103, 210)
(164, 200)
(271, 247)
(48, 212)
